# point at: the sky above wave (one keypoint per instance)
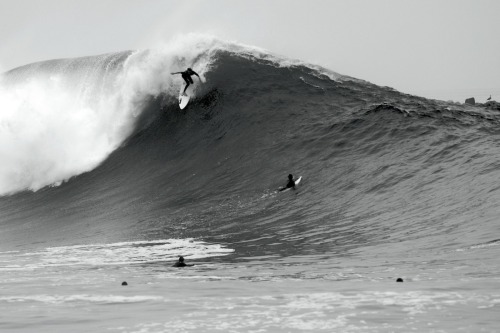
(444, 49)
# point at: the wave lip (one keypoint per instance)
(61, 118)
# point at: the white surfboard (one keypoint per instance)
(184, 99)
(297, 181)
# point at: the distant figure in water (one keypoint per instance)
(489, 98)
(290, 184)
(180, 263)
(186, 75)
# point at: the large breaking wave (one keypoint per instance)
(378, 165)
(63, 117)
(60, 118)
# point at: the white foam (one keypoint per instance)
(57, 125)
(327, 311)
(84, 298)
(124, 253)
(480, 246)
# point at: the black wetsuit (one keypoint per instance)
(186, 75)
(179, 264)
(290, 184)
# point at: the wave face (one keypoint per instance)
(379, 167)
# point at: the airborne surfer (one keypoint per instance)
(290, 184)
(186, 75)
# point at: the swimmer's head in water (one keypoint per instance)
(290, 176)
(181, 259)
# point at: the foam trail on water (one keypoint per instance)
(123, 253)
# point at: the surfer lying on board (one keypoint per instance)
(290, 184)
(186, 75)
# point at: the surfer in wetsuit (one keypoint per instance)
(180, 263)
(290, 184)
(186, 75)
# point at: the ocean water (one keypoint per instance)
(104, 180)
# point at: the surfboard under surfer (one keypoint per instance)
(186, 75)
(290, 184)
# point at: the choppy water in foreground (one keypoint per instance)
(445, 292)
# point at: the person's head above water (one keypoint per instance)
(290, 176)
(181, 259)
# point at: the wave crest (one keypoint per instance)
(60, 118)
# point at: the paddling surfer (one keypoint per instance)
(186, 75)
(290, 184)
(181, 263)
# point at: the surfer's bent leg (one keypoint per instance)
(188, 80)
